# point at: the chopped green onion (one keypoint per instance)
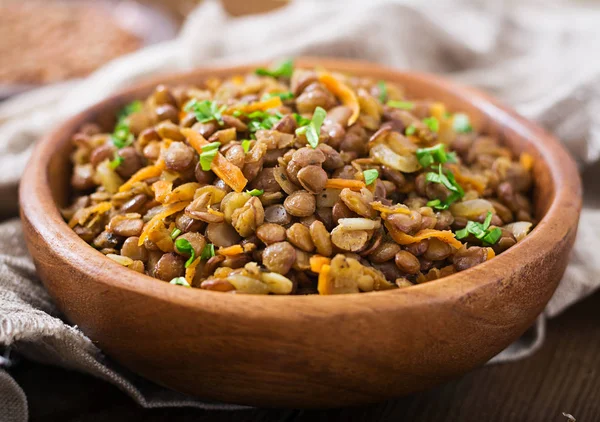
(211, 146)
(432, 123)
(403, 105)
(116, 162)
(481, 231)
(176, 232)
(300, 120)
(370, 176)
(461, 123)
(431, 155)
(206, 159)
(180, 281)
(451, 157)
(246, 145)
(283, 95)
(206, 110)
(255, 192)
(208, 251)
(492, 236)
(130, 108)
(450, 183)
(382, 91)
(262, 120)
(410, 130)
(313, 129)
(184, 246)
(283, 70)
(122, 137)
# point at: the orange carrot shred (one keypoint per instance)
(322, 286)
(445, 236)
(151, 225)
(143, 174)
(317, 262)
(272, 102)
(223, 168)
(343, 92)
(190, 271)
(345, 183)
(490, 254)
(526, 161)
(231, 250)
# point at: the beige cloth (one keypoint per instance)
(542, 60)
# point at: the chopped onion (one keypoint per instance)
(277, 283)
(472, 208)
(107, 177)
(245, 284)
(404, 163)
(358, 224)
(519, 229)
(120, 259)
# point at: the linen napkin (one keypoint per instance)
(540, 57)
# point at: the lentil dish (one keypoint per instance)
(296, 181)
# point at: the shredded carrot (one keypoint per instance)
(143, 174)
(97, 209)
(237, 80)
(322, 285)
(183, 192)
(445, 236)
(343, 92)
(526, 161)
(223, 168)
(465, 179)
(231, 250)
(385, 209)
(345, 183)
(213, 83)
(438, 110)
(490, 254)
(152, 224)
(190, 271)
(162, 188)
(215, 212)
(317, 262)
(272, 102)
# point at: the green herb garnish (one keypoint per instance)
(208, 251)
(461, 123)
(206, 110)
(481, 231)
(180, 281)
(122, 136)
(246, 145)
(116, 162)
(382, 91)
(370, 176)
(313, 129)
(260, 120)
(283, 95)
(300, 120)
(130, 108)
(209, 152)
(184, 246)
(431, 155)
(255, 192)
(283, 70)
(176, 232)
(432, 123)
(410, 130)
(446, 179)
(403, 105)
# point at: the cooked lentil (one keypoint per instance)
(235, 187)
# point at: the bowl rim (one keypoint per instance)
(40, 210)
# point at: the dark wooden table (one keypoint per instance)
(564, 376)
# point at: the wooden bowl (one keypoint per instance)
(306, 351)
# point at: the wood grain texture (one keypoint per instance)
(563, 376)
(307, 351)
